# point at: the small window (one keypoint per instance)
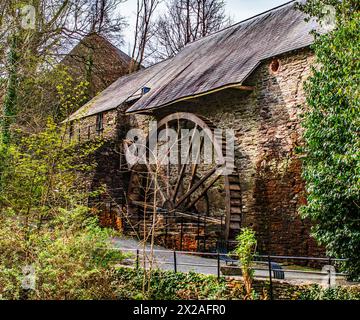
(145, 90)
(100, 122)
(275, 65)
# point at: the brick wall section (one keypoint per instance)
(266, 123)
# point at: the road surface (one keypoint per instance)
(164, 260)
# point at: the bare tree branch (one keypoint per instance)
(143, 31)
(185, 21)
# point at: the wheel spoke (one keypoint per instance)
(203, 192)
(195, 166)
(183, 168)
(196, 186)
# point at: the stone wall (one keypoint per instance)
(95, 60)
(111, 170)
(287, 290)
(268, 131)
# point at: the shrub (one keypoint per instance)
(246, 250)
(332, 143)
(165, 285)
(45, 223)
(316, 292)
(72, 258)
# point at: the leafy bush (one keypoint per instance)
(316, 292)
(332, 143)
(246, 250)
(71, 256)
(45, 223)
(165, 285)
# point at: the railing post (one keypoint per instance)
(137, 259)
(175, 267)
(181, 232)
(198, 232)
(329, 273)
(166, 228)
(205, 234)
(270, 277)
(218, 265)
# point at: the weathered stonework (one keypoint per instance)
(95, 60)
(268, 131)
(281, 289)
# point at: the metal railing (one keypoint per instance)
(267, 272)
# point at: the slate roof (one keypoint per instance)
(94, 40)
(226, 57)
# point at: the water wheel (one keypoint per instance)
(186, 169)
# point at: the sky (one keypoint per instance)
(238, 10)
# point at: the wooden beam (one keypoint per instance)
(183, 167)
(203, 192)
(196, 186)
(198, 95)
(244, 88)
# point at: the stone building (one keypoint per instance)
(248, 78)
(96, 60)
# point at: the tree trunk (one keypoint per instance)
(9, 106)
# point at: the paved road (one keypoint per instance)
(164, 260)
